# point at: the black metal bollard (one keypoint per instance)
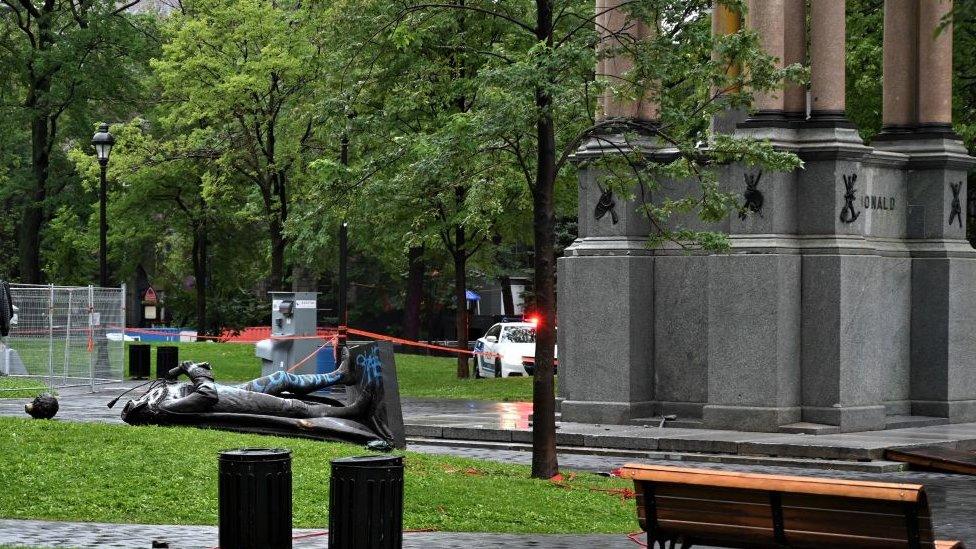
(254, 497)
(139, 360)
(167, 358)
(366, 503)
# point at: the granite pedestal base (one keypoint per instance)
(609, 302)
(943, 377)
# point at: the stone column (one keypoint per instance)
(766, 17)
(827, 56)
(934, 66)
(795, 51)
(724, 23)
(900, 57)
(620, 32)
(601, 64)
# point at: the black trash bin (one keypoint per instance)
(366, 503)
(254, 498)
(167, 358)
(138, 360)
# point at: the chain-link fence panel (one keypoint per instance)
(63, 337)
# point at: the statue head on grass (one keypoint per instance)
(44, 406)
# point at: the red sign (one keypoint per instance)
(149, 296)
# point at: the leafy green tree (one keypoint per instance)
(245, 73)
(413, 162)
(865, 57)
(63, 63)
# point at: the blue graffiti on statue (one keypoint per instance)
(279, 382)
(369, 363)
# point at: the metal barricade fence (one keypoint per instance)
(64, 337)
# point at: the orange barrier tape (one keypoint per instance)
(324, 334)
(410, 342)
(298, 364)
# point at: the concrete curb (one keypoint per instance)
(877, 466)
(853, 447)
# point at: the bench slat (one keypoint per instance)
(780, 483)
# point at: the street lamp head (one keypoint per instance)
(103, 141)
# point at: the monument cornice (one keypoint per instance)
(928, 151)
(649, 147)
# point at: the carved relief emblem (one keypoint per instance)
(753, 196)
(848, 215)
(606, 204)
(956, 211)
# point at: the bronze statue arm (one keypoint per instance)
(204, 394)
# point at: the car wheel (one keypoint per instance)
(498, 367)
(6, 309)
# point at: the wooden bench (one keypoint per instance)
(727, 509)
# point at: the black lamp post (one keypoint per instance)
(103, 141)
(343, 287)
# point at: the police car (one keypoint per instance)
(507, 349)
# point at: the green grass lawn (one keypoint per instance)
(118, 473)
(419, 376)
(21, 387)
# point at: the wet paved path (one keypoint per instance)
(35, 533)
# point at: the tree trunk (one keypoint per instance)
(277, 255)
(508, 300)
(42, 135)
(200, 274)
(415, 288)
(460, 295)
(33, 219)
(544, 462)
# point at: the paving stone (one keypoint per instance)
(714, 441)
(620, 442)
(821, 447)
(522, 435)
(428, 431)
(467, 433)
(569, 439)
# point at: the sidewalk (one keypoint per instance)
(38, 533)
(502, 422)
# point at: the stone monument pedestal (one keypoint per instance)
(847, 298)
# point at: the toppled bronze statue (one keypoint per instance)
(282, 403)
(44, 406)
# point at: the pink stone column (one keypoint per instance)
(766, 17)
(795, 51)
(601, 64)
(648, 106)
(828, 83)
(621, 34)
(900, 61)
(724, 23)
(934, 65)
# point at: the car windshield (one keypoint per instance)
(520, 334)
